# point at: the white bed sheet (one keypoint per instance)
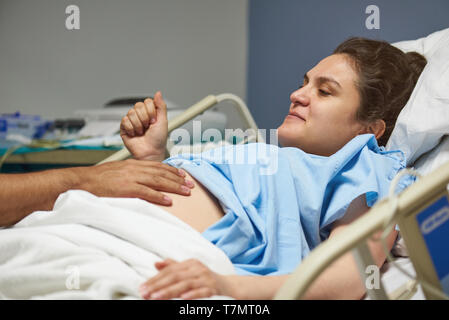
(96, 248)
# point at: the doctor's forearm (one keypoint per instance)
(21, 194)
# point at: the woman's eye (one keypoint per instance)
(324, 93)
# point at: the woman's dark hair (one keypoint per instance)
(387, 77)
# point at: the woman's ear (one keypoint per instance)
(376, 127)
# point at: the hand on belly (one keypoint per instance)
(199, 210)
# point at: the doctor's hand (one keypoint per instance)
(144, 129)
(133, 179)
(189, 279)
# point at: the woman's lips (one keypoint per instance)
(295, 116)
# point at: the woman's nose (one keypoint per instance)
(300, 97)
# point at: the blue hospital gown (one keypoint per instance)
(279, 203)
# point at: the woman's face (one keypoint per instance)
(322, 115)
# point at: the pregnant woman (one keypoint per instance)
(329, 171)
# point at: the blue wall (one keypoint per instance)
(288, 37)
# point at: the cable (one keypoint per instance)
(36, 143)
(8, 152)
(390, 224)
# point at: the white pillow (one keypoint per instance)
(433, 159)
(425, 46)
(425, 118)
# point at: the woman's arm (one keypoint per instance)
(341, 280)
(191, 279)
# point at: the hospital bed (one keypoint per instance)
(401, 210)
(90, 247)
(424, 135)
(422, 146)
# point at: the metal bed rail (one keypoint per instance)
(195, 110)
(420, 194)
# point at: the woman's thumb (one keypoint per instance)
(159, 103)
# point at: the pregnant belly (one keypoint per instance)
(199, 210)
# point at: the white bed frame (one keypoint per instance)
(195, 110)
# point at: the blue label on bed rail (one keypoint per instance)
(434, 225)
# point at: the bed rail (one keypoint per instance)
(419, 195)
(195, 110)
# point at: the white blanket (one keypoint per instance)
(96, 248)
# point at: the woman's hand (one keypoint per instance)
(144, 129)
(189, 279)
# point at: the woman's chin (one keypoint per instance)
(286, 141)
(287, 136)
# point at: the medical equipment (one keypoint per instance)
(17, 128)
(106, 121)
